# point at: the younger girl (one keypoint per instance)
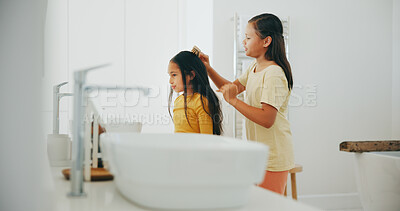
(268, 83)
(198, 109)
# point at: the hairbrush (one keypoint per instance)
(196, 50)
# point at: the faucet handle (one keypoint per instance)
(61, 84)
(80, 75)
(56, 88)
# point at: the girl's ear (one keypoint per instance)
(189, 77)
(267, 41)
(192, 74)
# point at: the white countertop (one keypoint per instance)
(103, 195)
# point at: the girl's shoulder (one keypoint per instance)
(197, 105)
(192, 99)
(197, 97)
(195, 101)
(275, 76)
(274, 71)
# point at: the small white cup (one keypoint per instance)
(59, 149)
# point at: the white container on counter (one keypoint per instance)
(59, 149)
(184, 171)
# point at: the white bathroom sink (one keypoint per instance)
(184, 171)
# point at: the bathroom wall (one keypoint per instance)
(135, 37)
(25, 177)
(56, 63)
(341, 57)
(341, 52)
(396, 71)
(196, 29)
(199, 30)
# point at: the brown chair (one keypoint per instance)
(297, 169)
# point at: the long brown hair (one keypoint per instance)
(188, 62)
(269, 25)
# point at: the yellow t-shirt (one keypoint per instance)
(271, 87)
(200, 121)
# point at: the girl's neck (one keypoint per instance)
(263, 63)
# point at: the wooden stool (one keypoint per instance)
(297, 169)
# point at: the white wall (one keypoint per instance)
(138, 39)
(151, 34)
(24, 168)
(196, 29)
(56, 63)
(343, 48)
(396, 71)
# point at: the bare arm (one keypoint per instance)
(264, 116)
(218, 80)
(239, 86)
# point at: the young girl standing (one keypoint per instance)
(268, 82)
(198, 109)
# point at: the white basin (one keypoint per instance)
(378, 180)
(184, 171)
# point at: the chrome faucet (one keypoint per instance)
(80, 93)
(56, 106)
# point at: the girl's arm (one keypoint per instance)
(218, 80)
(264, 116)
(204, 120)
(205, 124)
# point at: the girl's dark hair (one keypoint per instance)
(188, 62)
(270, 25)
